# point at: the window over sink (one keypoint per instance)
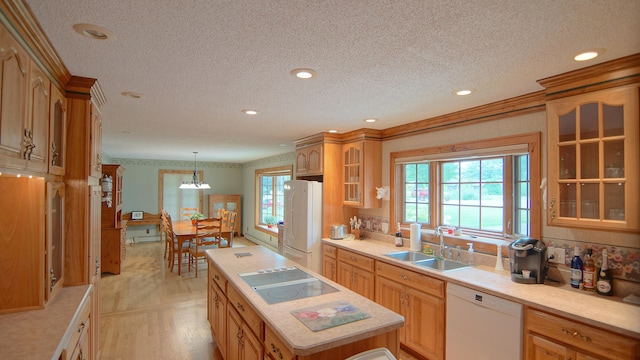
(484, 187)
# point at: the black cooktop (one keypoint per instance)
(285, 284)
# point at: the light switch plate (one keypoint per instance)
(556, 255)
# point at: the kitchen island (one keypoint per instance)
(242, 320)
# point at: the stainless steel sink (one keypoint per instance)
(412, 256)
(441, 264)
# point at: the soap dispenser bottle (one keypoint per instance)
(470, 253)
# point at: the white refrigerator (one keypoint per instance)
(303, 223)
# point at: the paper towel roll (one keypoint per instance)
(414, 237)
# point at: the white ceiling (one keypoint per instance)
(198, 63)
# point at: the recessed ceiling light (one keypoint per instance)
(370, 120)
(93, 32)
(588, 55)
(303, 73)
(132, 95)
(464, 92)
(333, 131)
(127, 132)
(250, 112)
(283, 145)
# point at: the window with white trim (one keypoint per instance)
(484, 189)
(270, 193)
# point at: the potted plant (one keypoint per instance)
(195, 217)
(270, 220)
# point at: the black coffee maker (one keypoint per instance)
(528, 255)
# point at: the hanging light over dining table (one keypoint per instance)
(195, 183)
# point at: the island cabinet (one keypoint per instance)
(79, 345)
(113, 233)
(361, 173)
(550, 336)
(244, 327)
(217, 307)
(329, 262)
(356, 272)
(420, 299)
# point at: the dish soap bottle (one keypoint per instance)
(588, 272)
(470, 253)
(604, 285)
(576, 269)
(398, 236)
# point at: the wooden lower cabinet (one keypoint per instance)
(329, 262)
(80, 345)
(218, 317)
(356, 272)
(274, 348)
(549, 336)
(243, 344)
(420, 299)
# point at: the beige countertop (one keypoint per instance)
(574, 304)
(298, 337)
(42, 334)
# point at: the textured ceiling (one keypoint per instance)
(198, 63)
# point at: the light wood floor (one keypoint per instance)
(148, 312)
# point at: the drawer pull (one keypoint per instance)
(576, 334)
(353, 259)
(240, 306)
(276, 350)
(216, 277)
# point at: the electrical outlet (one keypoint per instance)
(556, 255)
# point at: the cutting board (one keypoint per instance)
(328, 315)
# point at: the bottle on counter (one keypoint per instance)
(398, 240)
(576, 269)
(589, 272)
(604, 285)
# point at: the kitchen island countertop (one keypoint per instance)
(298, 337)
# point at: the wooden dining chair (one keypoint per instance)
(163, 224)
(208, 235)
(229, 223)
(187, 212)
(172, 243)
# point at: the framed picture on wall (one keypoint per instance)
(137, 215)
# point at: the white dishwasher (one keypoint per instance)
(481, 326)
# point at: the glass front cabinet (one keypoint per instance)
(593, 160)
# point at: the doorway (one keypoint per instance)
(171, 198)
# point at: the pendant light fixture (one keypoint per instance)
(195, 184)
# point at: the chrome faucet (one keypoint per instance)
(440, 233)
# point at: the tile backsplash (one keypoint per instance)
(624, 262)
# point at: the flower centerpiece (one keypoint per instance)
(270, 220)
(195, 217)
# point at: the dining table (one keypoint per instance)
(185, 230)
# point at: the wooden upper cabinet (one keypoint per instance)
(96, 142)
(362, 161)
(22, 235)
(309, 160)
(593, 165)
(14, 79)
(57, 132)
(36, 132)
